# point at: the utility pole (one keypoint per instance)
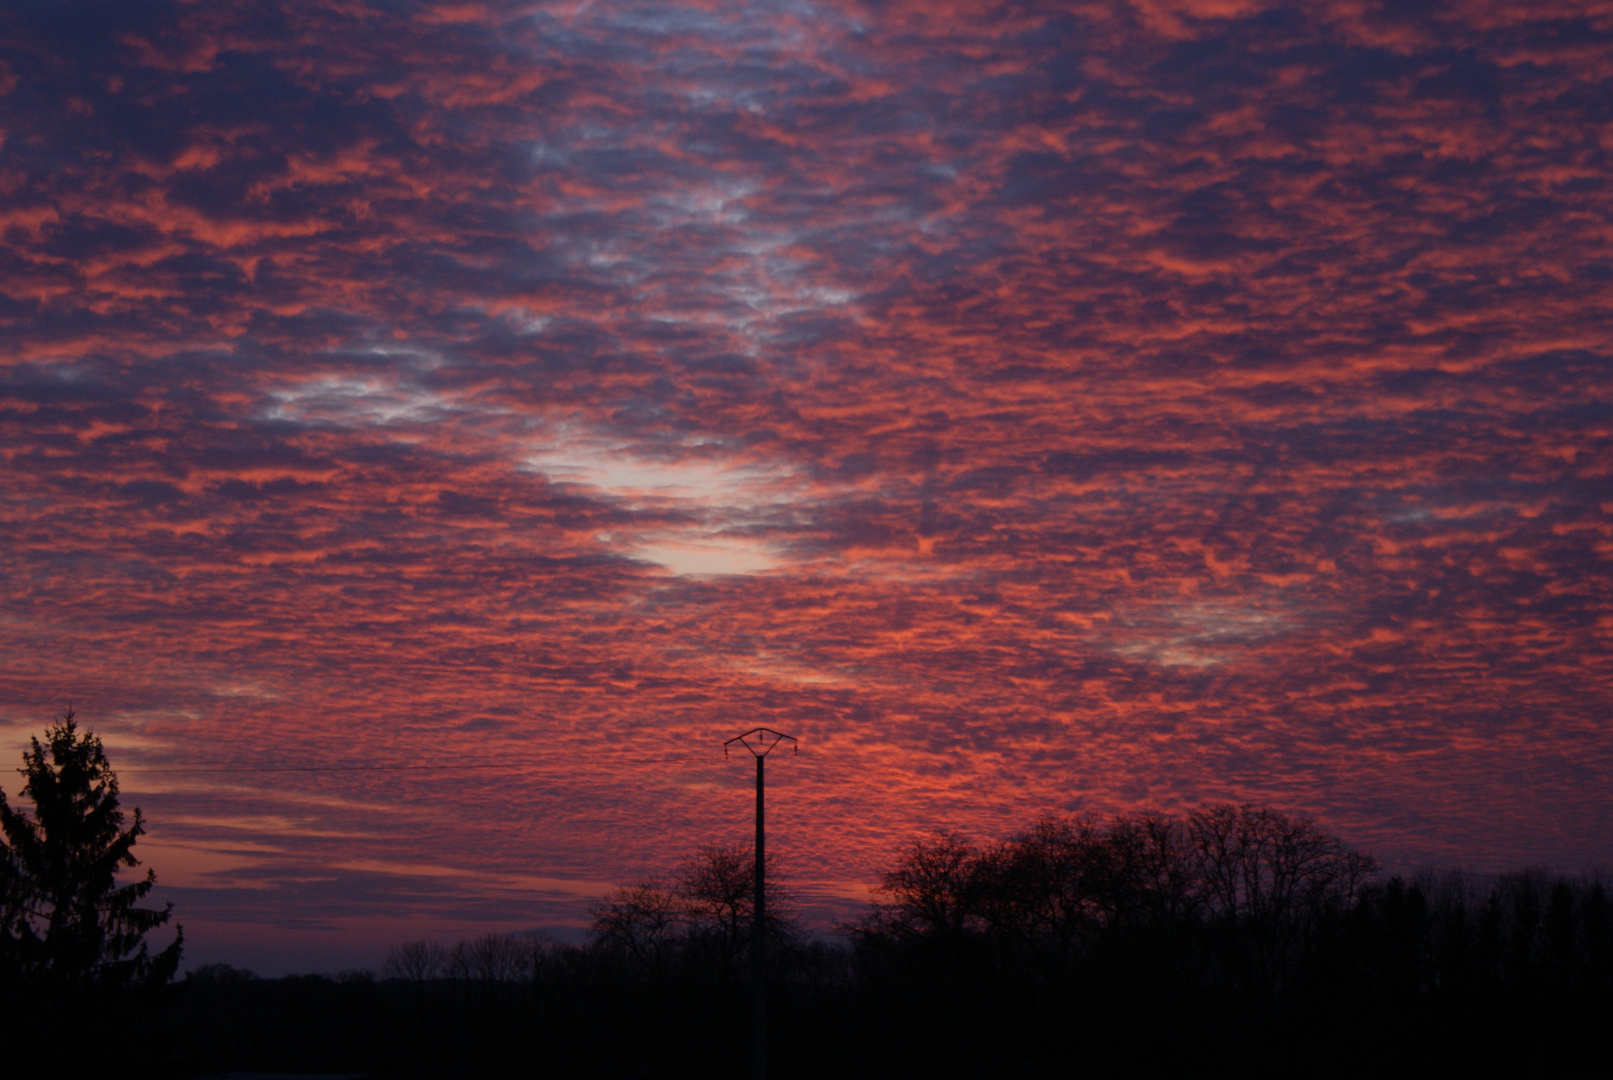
(760, 742)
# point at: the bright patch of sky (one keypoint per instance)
(723, 493)
(351, 401)
(701, 472)
(719, 492)
(1198, 634)
(709, 555)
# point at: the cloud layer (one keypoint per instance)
(1088, 407)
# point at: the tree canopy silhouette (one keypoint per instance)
(702, 919)
(66, 922)
(1230, 939)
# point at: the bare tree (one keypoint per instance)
(491, 958)
(416, 962)
(1046, 889)
(1272, 876)
(644, 922)
(703, 917)
(718, 888)
(1053, 889)
(932, 891)
(1155, 866)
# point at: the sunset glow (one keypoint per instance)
(1028, 407)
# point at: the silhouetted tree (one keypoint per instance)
(1047, 890)
(932, 892)
(643, 922)
(1044, 895)
(717, 887)
(491, 958)
(701, 920)
(1079, 946)
(13, 919)
(1268, 879)
(1155, 868)
(71, 924)
(415, 962)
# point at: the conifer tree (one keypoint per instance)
(66, 922)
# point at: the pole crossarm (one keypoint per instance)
(761, 741)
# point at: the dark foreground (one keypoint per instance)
(1234, 939)
(1414, 979)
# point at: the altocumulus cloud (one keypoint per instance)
(1031, 406)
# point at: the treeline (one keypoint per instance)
(1235, 937)
(662, 988)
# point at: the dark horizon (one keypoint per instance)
(1228, 938)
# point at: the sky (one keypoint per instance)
(429, 430)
